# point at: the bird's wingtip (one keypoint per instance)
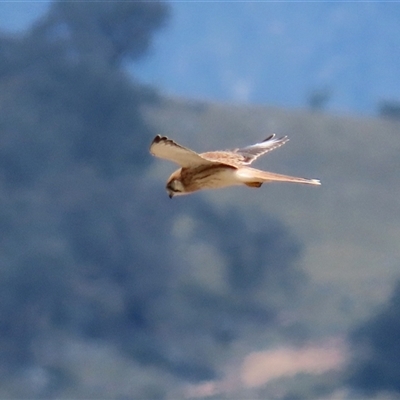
(270, 137)
(157, 139)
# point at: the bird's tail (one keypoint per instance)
(252, 177)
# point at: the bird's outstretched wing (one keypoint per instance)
(250, 153)
(167, 149)
(246, 155)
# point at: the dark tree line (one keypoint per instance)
(376, 351)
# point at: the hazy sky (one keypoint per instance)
(16, 16)
(267, 52)
(277, 52)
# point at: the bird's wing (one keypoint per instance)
(245, 155)
(167, 149)
(248, 154)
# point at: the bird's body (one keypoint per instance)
(218, 169)
(205, 177)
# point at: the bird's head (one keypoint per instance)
(175, 186)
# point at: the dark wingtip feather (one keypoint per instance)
(158, 139)
(282, 139)
(269, 138)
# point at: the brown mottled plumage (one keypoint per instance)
(218, 169)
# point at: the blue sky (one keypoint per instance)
(15, 16)
(268, 52)
(277, 52)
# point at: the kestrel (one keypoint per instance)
(218, 169)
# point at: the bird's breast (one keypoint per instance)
(208, 177)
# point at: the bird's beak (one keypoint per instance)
(170, 195)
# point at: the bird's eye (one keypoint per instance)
(171, 187)
(175, 186)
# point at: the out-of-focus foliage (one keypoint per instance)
(389, 109)
(318, 98)
(88, 248)
(105, 32)
(60, 104)
(376, 344)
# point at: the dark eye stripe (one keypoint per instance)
(169, 187)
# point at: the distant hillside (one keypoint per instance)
(350, 225)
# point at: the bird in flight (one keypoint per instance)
(218, 169)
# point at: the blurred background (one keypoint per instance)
(108, 289)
